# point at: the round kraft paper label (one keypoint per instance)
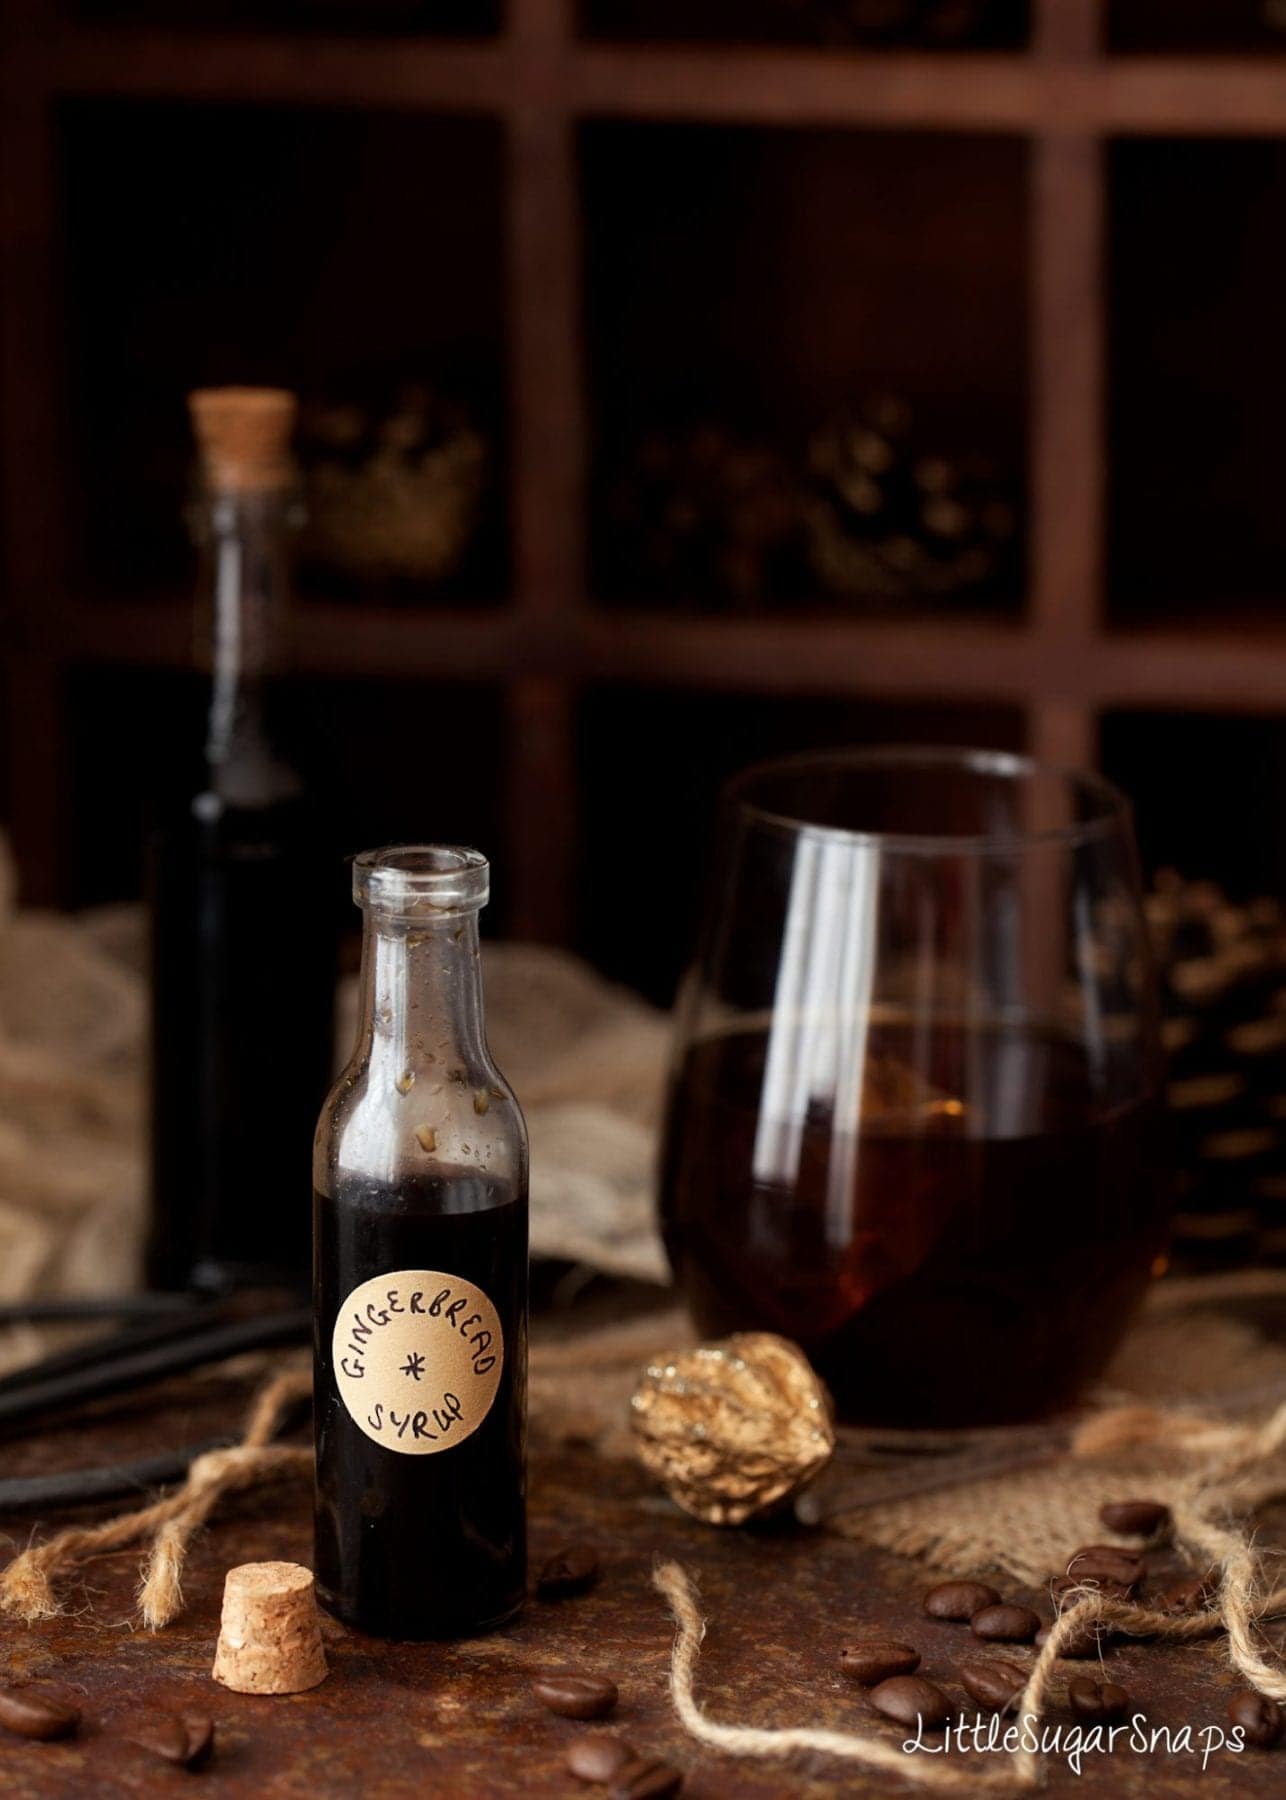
(417, 1355)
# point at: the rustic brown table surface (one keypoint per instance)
(459, 1719)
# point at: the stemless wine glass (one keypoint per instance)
(914, 1113)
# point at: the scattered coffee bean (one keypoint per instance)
(1097, 1702)
(993, 1684)
(574, 1696)
(1063, 1585)
(1135, 1518)
(1087, 1639)
(1109, 1552)
(1098, 1564)
(959, 1600)
(874, 1662)
(1260, 1718)
(910, 1699)
(183, 1738)
(33, 1714)
(598, 1756)
(1191, 1594)
(1002, 1624)
(571, 1571)
(645, 1779)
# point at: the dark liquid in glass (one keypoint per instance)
(422, 1546)
(934, 1269)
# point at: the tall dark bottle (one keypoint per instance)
(243, 942)
(420, 1276)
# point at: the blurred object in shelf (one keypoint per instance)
(395, 489)
(708, 517)
(1223, 969)
(723, 521)
(889, 520)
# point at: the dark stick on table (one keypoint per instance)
(42, 1393)
(85, 1308)
(107, 1347)
(88, 1307)
(80, 1487)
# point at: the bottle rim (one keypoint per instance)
(421, 879)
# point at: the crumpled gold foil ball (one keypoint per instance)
(733, 1428)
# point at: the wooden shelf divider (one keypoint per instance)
(1227, 669)
(548, 499)
(1010, 91)
(1067, 362)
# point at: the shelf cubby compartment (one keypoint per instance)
(1190, 776)
(929, 25)
(1196, 27)
(766, 283)
(343, 253)
(436, 18)
(1197, 380)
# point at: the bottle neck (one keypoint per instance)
(421, 1008)
(245, 540)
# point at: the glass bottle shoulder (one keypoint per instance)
(401, 1119)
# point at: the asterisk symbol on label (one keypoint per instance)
(414, 1365)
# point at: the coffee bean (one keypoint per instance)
(959, 1600)
(570, 1571)
(645, 1779)
(598, 1756)
(33, 1714)
(1097, 1702)
(574, 1696)
(1260, 1718)
(1003, 1624)
(1191, 1594)
(910, 1699)
(186, 1738)
(869, 1663)
(993, 1684)
(1097, 1564)
(1063, 1585)
(1087, 1639)
(1135, 1518)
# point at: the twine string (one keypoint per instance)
(676, 1585)
(28, 1585)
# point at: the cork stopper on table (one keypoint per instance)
(243, 435)
(269, 1636)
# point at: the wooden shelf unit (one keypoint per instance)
(1063, 665)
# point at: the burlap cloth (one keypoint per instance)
(585, 1057)
(588, 1061)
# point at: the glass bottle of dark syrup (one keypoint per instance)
(242, 948)
(420, 1276)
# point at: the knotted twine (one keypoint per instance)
(27, 1589)
(1230, 1474)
